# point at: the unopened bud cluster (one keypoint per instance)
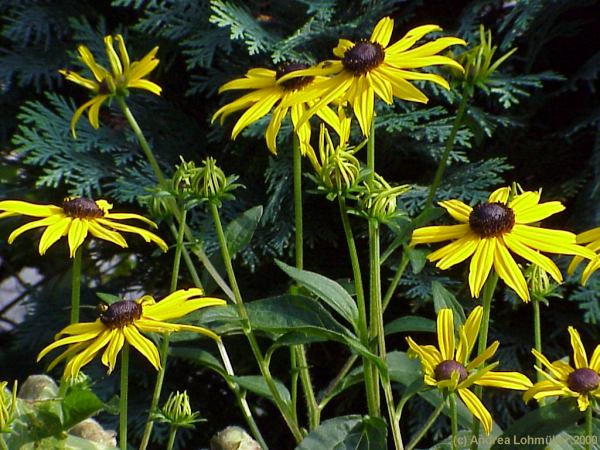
(8, 406)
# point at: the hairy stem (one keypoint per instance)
(76, 286)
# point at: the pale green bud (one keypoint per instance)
(8, 406)
(177, 411)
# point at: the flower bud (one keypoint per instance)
(210, 182)
(8, 406)
(177, 411)
(233, 438)
(379, 200)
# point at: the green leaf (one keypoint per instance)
(347, 433)
(198, 356)
(545, 421)
(240, 230)
(258, 385)
(417, 258)
(327, 290)
(409, 324)
(79, 404)
(443, 298)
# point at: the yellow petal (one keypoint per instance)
(589, 236)
(100, 232)
(455, 252)
(77, 233)
(470, 331)
(53, 233)
(507, 269)
(513, 243)
(100, 73)
(481, 264)
(153, 326)
(82, 81)
(76, 338)
(499, 195)
(409, 39)
(383, 31)
(342, 47)
(595, 360)
(87, 354)
(507, 380)
(474, 405)
(445, 333)
(273, 128)
(125, 216)
(109, 357)
(579, 356)
(123, 52)
(146, 85)
(439, 233)
(113, 58)
(381, 87)
(144, 66)
(142, 344)
(559, 372)
(255, 112)
(363, 103)
(145, 234)
(30, 209)
(583, 402)
(425, 354)
(484, 356)
(542, 389)
(31, 225)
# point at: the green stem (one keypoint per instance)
(297, 169)
(338, 378)
(172, 434)
(426, 426)
(537, 329)
(123, 400)
(3, 445)
(453, 420)
(76, 286)
(394, 283)
(171, 204)
(241, 398)
(488, 294)
(187, 259)
(374, 274)
(437, 179)
(283, 407)
(300, 350)
(588, 428)
(164, 347)
(363, 331)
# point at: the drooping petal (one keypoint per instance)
(481, 264)
(255, 112)
(142, 344)
(273, 128)
(101, 232)
(543, 261)
(474, 405)
(556, 371)
(551, 241)
(509, 271)
(153, 326)
(87, 354)
(30, 209)
(363, 103)
(47, 221)
(145, 234)
(109, 357)
(595, 360)
(589, 236)
(542, 389)
(125, 216)
(53, 233)
(430, 358)
(147, 85)
(78, 231)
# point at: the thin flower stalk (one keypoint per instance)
(284, 408)
(124, 397)
(75, 286)
(426, 426)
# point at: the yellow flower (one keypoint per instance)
(122, 321)
(592, 240)
(373, 67)
(266, 95)
(564, 380)
(108, 83)
(76, 218)
(490, 231)
(449, 368)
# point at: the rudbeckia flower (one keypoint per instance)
(268, 95)
(124, 321)
(75, 219)
(591, 240)
(374, 67)
(122, 75)
(490, 231)
(564, 380)
(448, 368)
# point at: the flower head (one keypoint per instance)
(123, 321)
(268, 95)
(122, 75)
(372, 67)
(490, 231)
(177, 411)
(448, 367)
(564, 380)
(75, 219)
(591, 240)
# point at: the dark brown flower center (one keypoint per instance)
(294, 83)
(583, 380)
(491, 219)
(83, 208)
(120, 314)
(445, 369)
(363, 57)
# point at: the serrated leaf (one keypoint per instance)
(327, 290)
(347, 433)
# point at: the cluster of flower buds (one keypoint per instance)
(378, 200)
(8, 406)
(177, 411)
